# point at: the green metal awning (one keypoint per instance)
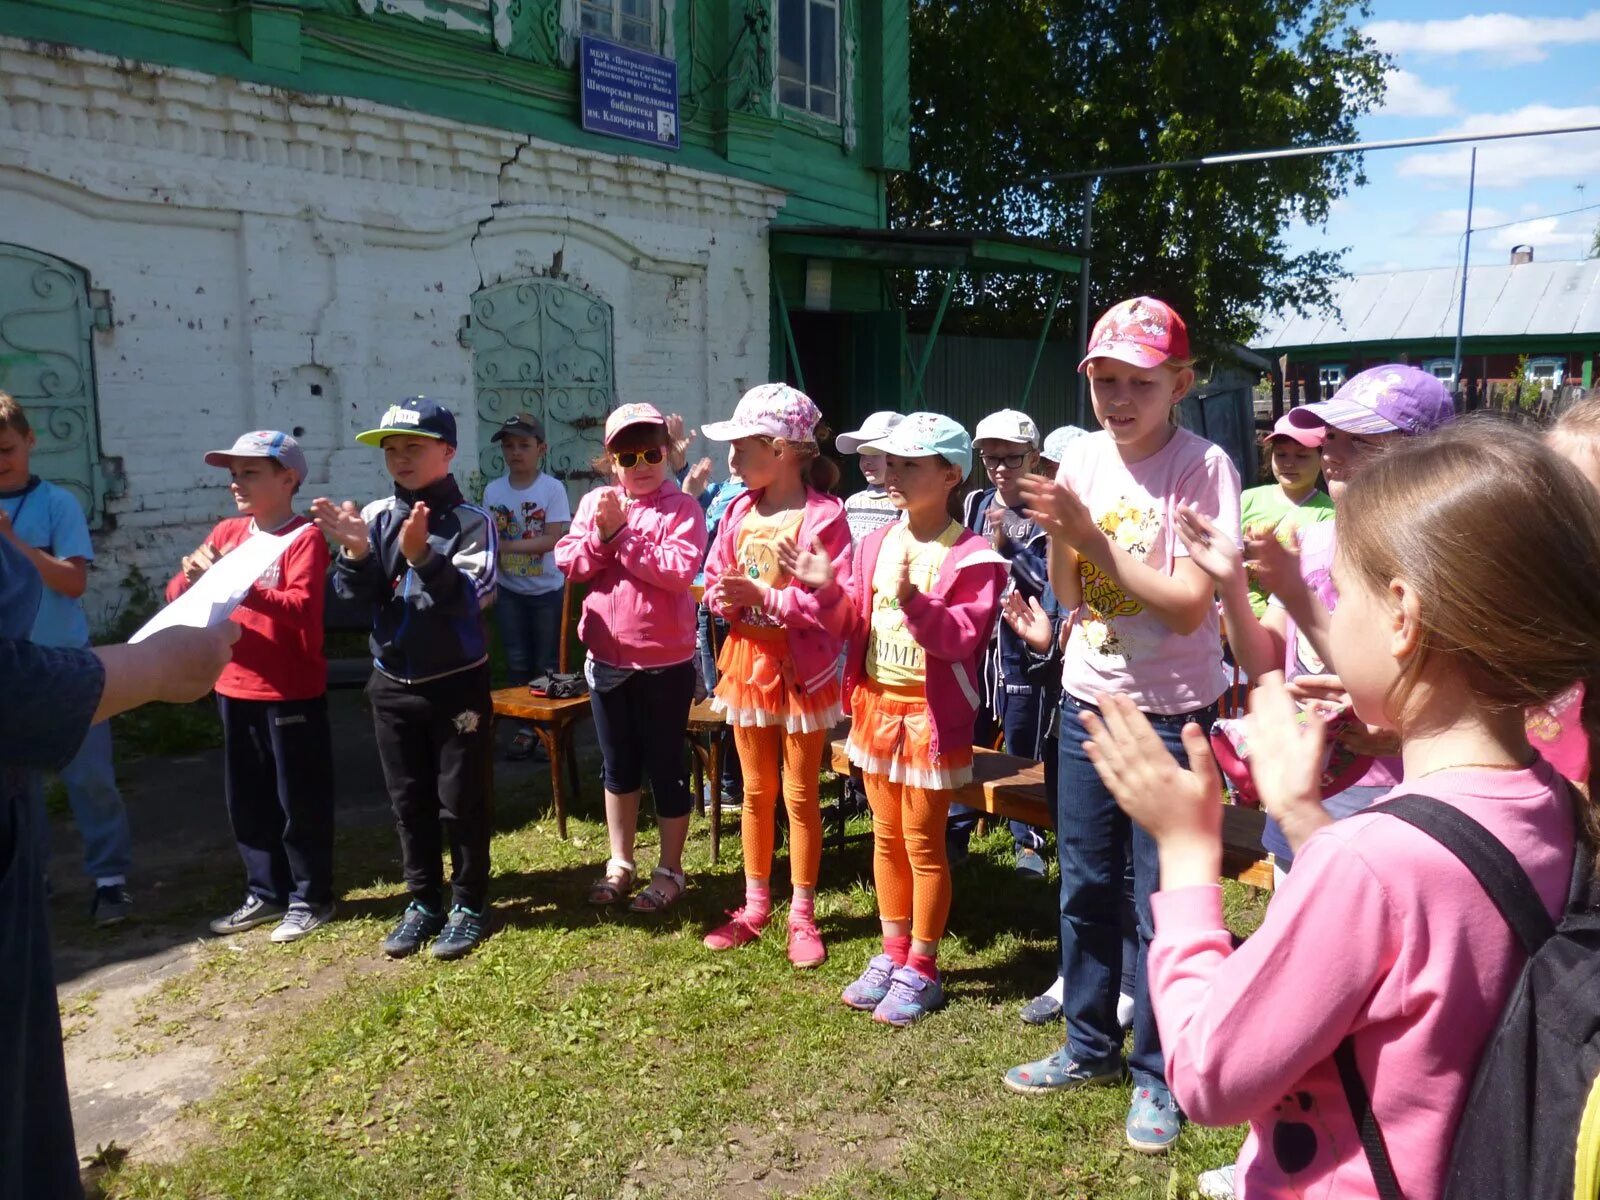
(950, 251)
(928, 249)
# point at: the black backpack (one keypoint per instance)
(1531, 1128)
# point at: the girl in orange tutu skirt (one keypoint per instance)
(920, 612)
(779, 668)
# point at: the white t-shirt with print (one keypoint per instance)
(523, 513)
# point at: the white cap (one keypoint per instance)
(873, 428)
(1055, 443)
(1008, 425)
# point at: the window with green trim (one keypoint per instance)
(631, 22)
(808, 56)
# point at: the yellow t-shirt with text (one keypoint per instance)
(894, 658)
(756, 556)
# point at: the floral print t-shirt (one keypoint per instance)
(1116, 646)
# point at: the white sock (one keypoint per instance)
(110, 880)
(1057, 990)
(1124, 1010)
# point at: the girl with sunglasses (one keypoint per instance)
(779, 667)
(638, 543)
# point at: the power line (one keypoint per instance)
(1536, 217)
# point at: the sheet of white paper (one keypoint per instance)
(217, 593)
(982, 557)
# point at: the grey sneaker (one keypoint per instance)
(300, 920)
(111, 904)
(254, 911)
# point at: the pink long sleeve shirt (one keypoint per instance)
(638, 612)
(1378, 932)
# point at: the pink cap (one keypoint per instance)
(1309, 438)
(1142, 332)
(768, 410)
(632, 414)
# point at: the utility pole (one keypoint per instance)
(1466, 259)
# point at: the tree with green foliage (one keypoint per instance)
(1006, 91)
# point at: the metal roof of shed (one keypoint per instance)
(1505, 300)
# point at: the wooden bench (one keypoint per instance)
(705, 747)
(1004, 785)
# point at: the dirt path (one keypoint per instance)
(136, 1056)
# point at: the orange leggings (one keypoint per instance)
(761, 751)
(909, 865)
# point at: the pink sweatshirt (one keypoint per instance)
(952, 623)
(1378, 932)
(638, 611)
(813, 647)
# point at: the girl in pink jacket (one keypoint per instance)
(1379, 937)
(918, 608)
(638, 544)
(779, 668)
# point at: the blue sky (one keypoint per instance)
(1466, 69)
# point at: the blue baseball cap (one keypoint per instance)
(922, 434)
(417, 416)
(1055, 444)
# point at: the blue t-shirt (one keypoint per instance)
(47, 518)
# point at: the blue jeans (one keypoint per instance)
(1095, 842)
(530, 630)
(1346, 803)
(97, 808)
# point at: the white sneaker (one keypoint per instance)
(1125, 1010)
(300, 920)
(1218, 1184)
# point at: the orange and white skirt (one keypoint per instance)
(891, 734)
(756, 685)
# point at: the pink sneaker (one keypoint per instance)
(740, 931)
(805, 944)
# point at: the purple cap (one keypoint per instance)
(263, 443)
(1393, 398)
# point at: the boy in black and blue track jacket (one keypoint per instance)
(425, 559)
(1007, 443)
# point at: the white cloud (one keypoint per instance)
(1408, 96)
(1451, 222)
(1544, 234)
(1496, 37)
(1519, 161)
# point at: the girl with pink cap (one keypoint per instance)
(778, 670)
(1293, 500)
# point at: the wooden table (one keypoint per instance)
(554, 722)
(705, 729)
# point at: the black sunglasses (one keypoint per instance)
(1009, 461)
(628, 459)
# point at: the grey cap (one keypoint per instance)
(264, 443)
(521, 425)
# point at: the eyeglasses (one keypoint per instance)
(1009, 461)
(628, 459)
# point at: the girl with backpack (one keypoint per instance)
(1381, 939)
(778, 677)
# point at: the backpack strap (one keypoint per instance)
(1506, 883)
(1492, 865)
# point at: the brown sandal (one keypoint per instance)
(656, 899)
(614, 886)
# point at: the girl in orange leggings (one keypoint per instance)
(779, 679)
(925, 595)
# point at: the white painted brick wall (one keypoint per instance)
(257, 244)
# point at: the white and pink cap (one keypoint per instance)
(1143, 332)
(773, 410)
(632, 414)
(1310, 438)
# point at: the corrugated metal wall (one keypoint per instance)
(969, 378)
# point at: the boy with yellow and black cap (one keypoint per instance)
(425, 559)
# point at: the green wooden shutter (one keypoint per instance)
(47, 364)
(544, 347)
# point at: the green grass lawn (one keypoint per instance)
(582, 1054)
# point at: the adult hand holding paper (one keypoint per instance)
(218, 591)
